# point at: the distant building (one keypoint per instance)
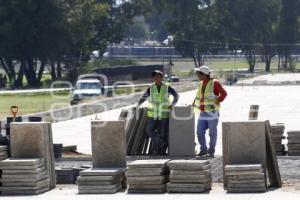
(131, 73)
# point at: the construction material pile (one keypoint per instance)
(137, 140)
(147, 176)
(294, 143)
(245, 178)
(24, 177)
(100, 181)
(3, 152)
(189, 176)
(277, 131)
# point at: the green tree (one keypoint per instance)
(288, 31)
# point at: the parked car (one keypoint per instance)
(87, 89)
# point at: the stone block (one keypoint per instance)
(246, 190)
(108, 144)
(102, 172)
(97, 191)
(149, 164)
(182, 131)
(26, 184)
(189, 164)
(191, 172)
(246, 185)
(98, 178)
(100, 187)
(149, 187)
(21, 162)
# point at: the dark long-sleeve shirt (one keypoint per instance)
(170, 91)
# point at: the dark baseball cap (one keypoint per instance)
(157, 72)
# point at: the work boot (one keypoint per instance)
(210, 155)
(202, 153)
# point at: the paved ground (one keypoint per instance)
(70, 192)
(277, 104)
(273, 79)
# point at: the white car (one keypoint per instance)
(87, 89)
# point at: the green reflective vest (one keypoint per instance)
(158, 106)
(209, 97)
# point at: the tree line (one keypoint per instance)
(59, 35)
(264, 27)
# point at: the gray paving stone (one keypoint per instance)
(261, 180)
(146, 191)
(228, 173)
(176, 180)
(246, 185)
(102, 172)
(35, 171)
(108, 144)
(26, 184)
(94, 183)
(149, 187)
(189, 177)
(186, 185)
(243, 168)
(3, 148)
(21, 162)
(246, 190)
(34, 192)
(138, 174)
(98, 178)
(187, 190)
(146, 182)
(247, 176)
(19, 167)
(22, 188)
(182, 131)
(99, 187)
(31, 180)
(97, 191)
(24, 176)
(148, 164)
(190, 172)
(188, 164)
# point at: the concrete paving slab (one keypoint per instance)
(189, 164)
(3, 148)
(98, 178)
(28, 184)
(191, 172)
(146, 191)
(34, 192)
(21, 162)
(95, 183)
(182, 131)
(246, 190)
(149, 187)
(102, 172)
(23, 171)
(246, 185)
(186, 185)
(100, 187)
(189, 177)
(25, 167)
(159, 163)
(97, 191)
(192, 181)
(108, 144)
(24, 176)
(244, 167)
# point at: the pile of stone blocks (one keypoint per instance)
(24, 177)
(108, 159)
(34, 140)
(3, 152)
(245, 178)
(189, 176)
(277, 131)
(147, 176)
(100, 181)
(294, 143)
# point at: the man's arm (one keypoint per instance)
(220, 91)
(174, 94)
(144, 97)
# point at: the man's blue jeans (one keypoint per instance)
(158, 131)
(207, 120)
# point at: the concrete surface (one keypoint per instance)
(70, 191)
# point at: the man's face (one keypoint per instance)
(157, 79)
(200, 76)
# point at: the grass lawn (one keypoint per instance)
(30, 103)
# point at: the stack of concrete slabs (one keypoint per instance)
(294, 143)
(189, 176)
(24, 177)
(3, 152)
(244, 178)
(34, 140)
(100, 180)
(277, 131)
(147, 176)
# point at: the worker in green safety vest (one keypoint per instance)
(158, 110)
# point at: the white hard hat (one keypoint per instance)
(203, 69)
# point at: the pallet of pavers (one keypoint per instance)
(277, 135)
(189, 176)
(245, 178)
(294, 143)
(3, 152)
(100, 181)
(147, 176)
(24, 177)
